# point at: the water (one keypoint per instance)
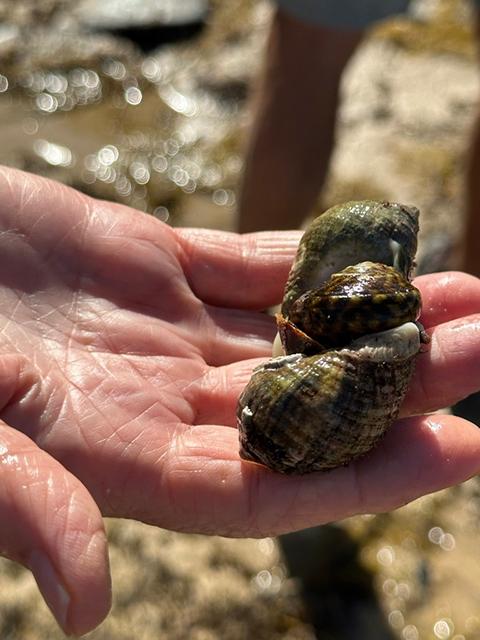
(148, 130)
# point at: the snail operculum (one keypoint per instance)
(291, 339)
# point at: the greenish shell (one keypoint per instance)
(350, 233)
(348, 323)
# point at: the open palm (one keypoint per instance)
(124, 346)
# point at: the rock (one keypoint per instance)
(46, 49)
(125, 14)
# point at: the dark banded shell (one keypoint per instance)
(362, 299)
(301, 414)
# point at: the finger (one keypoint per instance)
(449, 369)
(446, 296)
(227, 269)
(51, 525)
(114, 252)
(214, 396)
(452, 355)
(211, 490)
(229, 335)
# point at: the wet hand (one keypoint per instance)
(124, 346)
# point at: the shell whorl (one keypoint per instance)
(350, 233)
(333, 398)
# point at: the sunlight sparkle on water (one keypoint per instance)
(446, 541)
(133, 95)
(395, 619)
(268, 581)
(159, 164)
(178, 101)
(410, 632)
(140, 172)
(30, 126)
(56, 83)
(162, 213)
(266, 546)
(115, 69)
(386, 556)
(443, 629)
(123, 186)
(108, 154)
(54, 154)
(46, 102)
(224, 197)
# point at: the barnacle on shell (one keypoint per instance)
(348, 327)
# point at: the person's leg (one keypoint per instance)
(294, 120)
(471, 236)
(469, 408)
(470, 247)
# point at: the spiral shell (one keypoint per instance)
(350, 233)
(348, 323)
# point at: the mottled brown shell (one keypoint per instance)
(365, 298)
(349, 328)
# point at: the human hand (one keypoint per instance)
(124, 346)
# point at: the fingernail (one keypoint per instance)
(53, 592)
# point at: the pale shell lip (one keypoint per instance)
(397, 343)
(277, 348)
(396, 249)
(394, 344)
(281, 361)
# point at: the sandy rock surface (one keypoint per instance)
(115, 14)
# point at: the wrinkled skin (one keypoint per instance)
(124, 346)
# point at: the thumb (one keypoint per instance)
(51, 524)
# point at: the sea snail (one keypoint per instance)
(349, 339)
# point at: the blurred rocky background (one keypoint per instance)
(146, 103)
